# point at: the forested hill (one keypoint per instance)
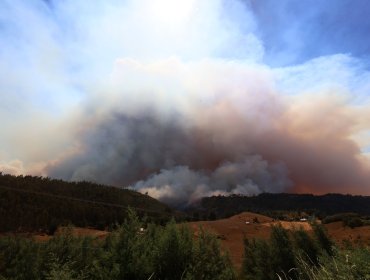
(29, 203)
(320, 205)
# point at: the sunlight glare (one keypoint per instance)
(172, 11)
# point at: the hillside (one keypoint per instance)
(232, 231)
(323, 205)
(30, 203)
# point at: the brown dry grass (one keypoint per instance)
(232, 231)
(358, 235)
(75, 231)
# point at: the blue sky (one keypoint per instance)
(297, 31)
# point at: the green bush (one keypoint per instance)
(345, 265)
(305, 247)
(322, 239)
(341, 217)
(136, 250)
(257, 262)
(208, 261)
(298, 256)
(265, 260)
(353, 222)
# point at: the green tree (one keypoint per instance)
(208, 260)
(282, 253)
(322, 239)
(257, 263)
(305, 246)
(174, 252)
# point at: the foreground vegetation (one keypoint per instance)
(141, 250)
(130, 252)
(297, 255)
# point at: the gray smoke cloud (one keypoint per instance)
(182, 101)
(182, 186)
(178, 147)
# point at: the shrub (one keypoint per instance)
(346, 264)
(353, 222)
(257, 263)
(208, 261)
(322, 239)
(265, 260)
(281, 250)
(305, 246)
(168, 252)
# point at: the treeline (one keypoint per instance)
(130, 252)
(270, 204)
(141, 250)
(351, 220)
(29, 203)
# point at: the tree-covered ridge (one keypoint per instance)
(320, 205)
(30, 203)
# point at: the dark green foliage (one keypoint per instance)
(351, 220)
(130, 252)
(305, 246)
(281, 250)
(322, 239)
(133, 251)
(345, 265)
(212, 216)
(30, 203)
(257, 262)
(175, 248)
(265, 260)
(297, 255)
(270, 204)
(339, 217)
(19, 255)
(354, 222)
(284, 253)
(208, 262)
(255, 220)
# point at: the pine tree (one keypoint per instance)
(305, 246)
(323, 239)
(282, 252)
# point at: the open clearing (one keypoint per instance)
(232, 231)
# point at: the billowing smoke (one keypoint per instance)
(176, 103)
(180, 185)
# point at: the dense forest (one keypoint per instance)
(29, 203)
(270, 204)
(172, 252)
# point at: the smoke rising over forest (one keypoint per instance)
(180, 103)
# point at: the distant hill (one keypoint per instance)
(323, 205)
(29, 203)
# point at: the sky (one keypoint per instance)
(184, 99)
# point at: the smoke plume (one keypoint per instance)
(178, 104)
